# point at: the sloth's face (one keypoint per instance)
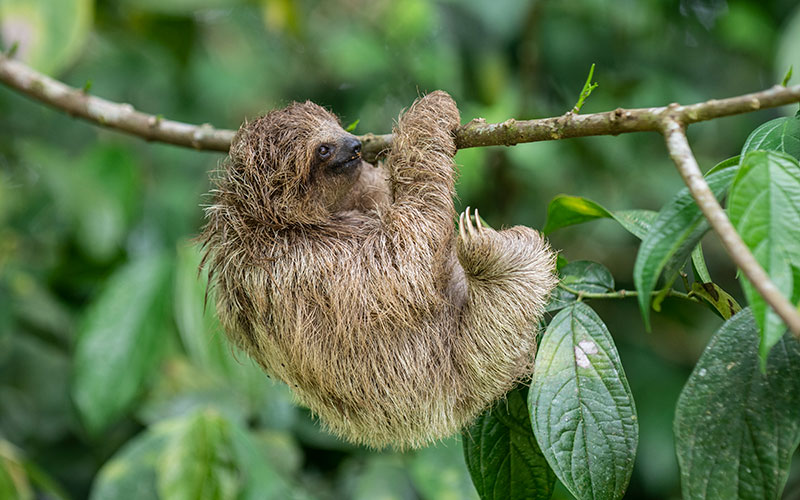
(340, 156)
(335, 165)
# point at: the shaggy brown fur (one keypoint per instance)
(352, 285)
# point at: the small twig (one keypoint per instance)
(476, 133)
(586, 91)
(681, 153)
(787, 76)
(622, 294)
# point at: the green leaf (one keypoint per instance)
(720, 300)
(583, 276)
(674, 234)
(198, 327)
(49, 33)
(210, 457)
(582, 408)
(566, 211)
(199, 456)
(787, 76)
(736, 427)
(131, 473)
(14, 481)
(352, 126)
(439, 472)
(235, 375)
(120, 340)
(636, 222)
(699, 265)
(200, 461)
(764, 207)
(502, 456)
(780, 134)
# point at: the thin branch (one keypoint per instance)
(622, 294)
(110, 114)
(620, 121)
(473, 134)
(681, 153)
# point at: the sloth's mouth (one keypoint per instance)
(348, 164)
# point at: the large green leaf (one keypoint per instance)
(198, 327)
(582, 276)
(764, 206)
(120, 341)
(582, 408)
(49, 33)
(673, 235)
(565, 210)
(503, 458)
(780, 134)
(736, 428)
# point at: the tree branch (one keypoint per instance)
(681, 153)
(109, 114)
(476, 133)
(669, 120)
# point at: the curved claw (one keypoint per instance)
(461, 226)
(478, 223)
(470, 228)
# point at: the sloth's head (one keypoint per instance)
(292, 166)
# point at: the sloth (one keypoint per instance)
(350, 283)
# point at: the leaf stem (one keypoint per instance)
(623, 294)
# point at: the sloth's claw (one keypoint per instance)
(468, 229)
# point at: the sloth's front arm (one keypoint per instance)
(419, 222)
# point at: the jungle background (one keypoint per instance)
(116, 382)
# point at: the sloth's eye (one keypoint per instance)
(324, 151)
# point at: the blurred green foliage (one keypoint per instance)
(116, 382)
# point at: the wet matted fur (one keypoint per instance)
(350, 283)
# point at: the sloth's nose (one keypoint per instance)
(353, 145)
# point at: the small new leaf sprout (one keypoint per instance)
(12, 50)
(586, 92)
(87, 87)
(788, 75)
(352, 126)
